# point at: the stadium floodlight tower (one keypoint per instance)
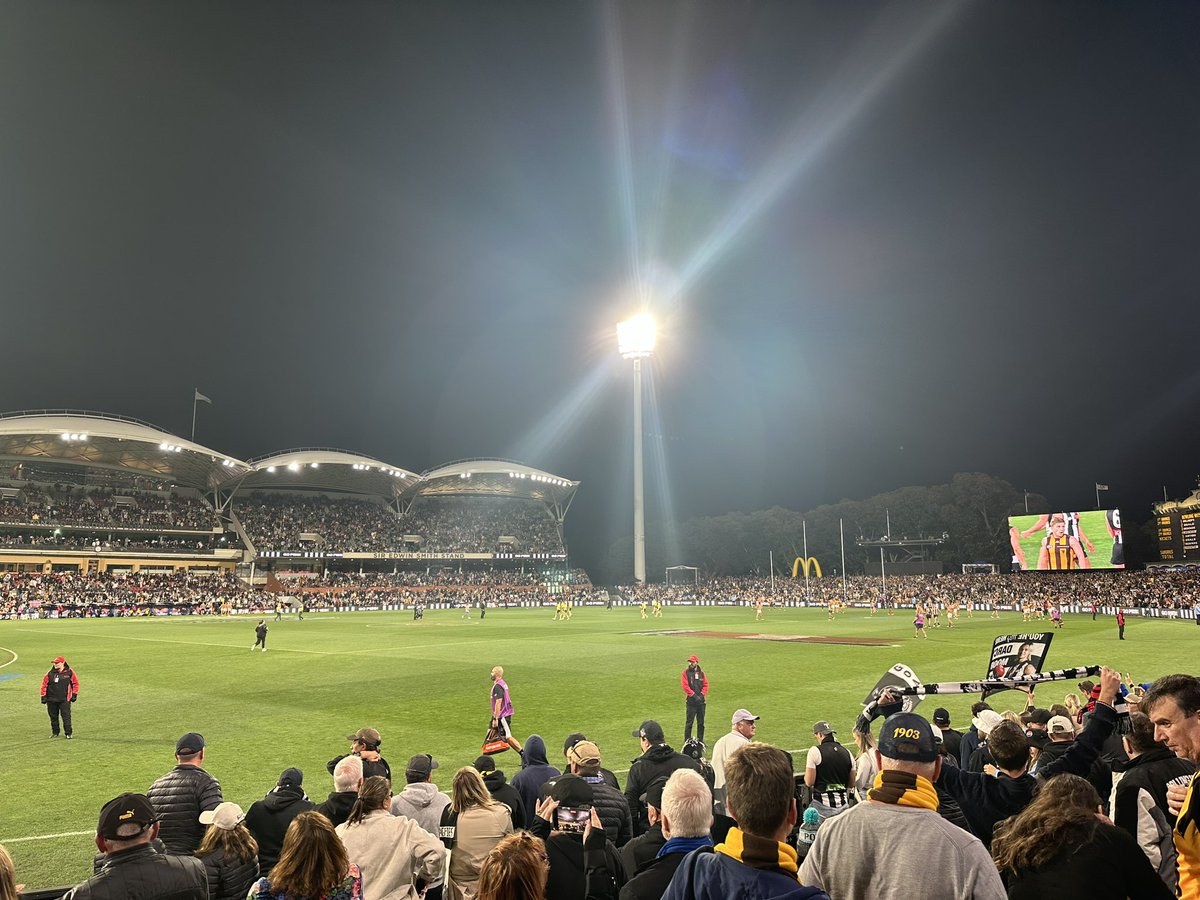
(635, 340)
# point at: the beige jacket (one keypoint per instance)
(392, 852)
(479, 830)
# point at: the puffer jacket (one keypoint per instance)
(268, 820)
(178, 798)
(229, 878)
(142, 873)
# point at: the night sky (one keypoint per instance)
(885, 242)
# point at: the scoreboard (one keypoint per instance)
(1178, 535)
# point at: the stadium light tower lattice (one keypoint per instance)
(635, 340)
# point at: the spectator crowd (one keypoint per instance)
(1026, 803)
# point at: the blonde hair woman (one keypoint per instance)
(516, 869)
(479, 823)
(865, 767)
(8, 877)
(229, 853)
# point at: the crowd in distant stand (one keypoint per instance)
(1154, 589)
(275, 522)
(68, 505)
(1027, 803)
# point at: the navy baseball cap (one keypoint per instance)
(908, 737)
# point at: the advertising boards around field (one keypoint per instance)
(1017, 656)
(898, 676)
(1067, 541)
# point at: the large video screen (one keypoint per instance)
(1065, 541)
(1178, 535)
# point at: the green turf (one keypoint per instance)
(425, 686)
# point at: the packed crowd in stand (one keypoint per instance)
(1150, 588)
(275, 522)
(103, 508)
(1091, 799)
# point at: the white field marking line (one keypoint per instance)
(399, 647)
(11, 661)
(45, 837)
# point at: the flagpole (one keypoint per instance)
(195, 392)
(1097, 494)
(807, 592)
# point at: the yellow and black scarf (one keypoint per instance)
(759, 853)
(904, 789)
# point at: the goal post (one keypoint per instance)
(682, 575)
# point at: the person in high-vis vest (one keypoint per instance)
(1173, 705)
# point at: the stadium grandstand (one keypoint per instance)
(86, 495)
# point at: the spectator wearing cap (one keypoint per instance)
(828, 772)
(574, 738)
(365, 744)
(397, 856)
(559, 821)
(951, 739)
(501, 791)
(182, 794)
(1060, 737)
(753, 861)
(695, 689)
(985, 723)
(985, 800)
(687, 818)
(744, 723)
(971, 739)
(60, 688)
(347, 779)
(472, 825)
(131, 866)
(229, 853)
(893, 844)
(658, 759)
(583, 760)
(643, 849)
(421, 800)
(268, 819)
(1139, 801)
(534, 773)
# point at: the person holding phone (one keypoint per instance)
(561, 819)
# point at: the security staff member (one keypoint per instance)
(828, 770)
(60, 688)
(695, 686)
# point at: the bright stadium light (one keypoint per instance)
(635, 336)
(635, 340)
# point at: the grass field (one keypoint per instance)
(425, 686)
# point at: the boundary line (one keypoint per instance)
(11, 661)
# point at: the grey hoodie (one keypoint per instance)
(423, 803)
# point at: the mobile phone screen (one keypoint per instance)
(573, 818)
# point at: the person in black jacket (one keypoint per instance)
(365, 744)
(268, 819)
(643, 849)
(60, 688)
(658, 759)
(501, 790)
(347, 779)
(583, 760)
(132, 867)
(569, 865)
(229, 853)
(182, 794)
(574, 738)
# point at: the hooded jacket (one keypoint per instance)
(536, 772)
(505, 793)
(268, 820)
(570, 864)
(422, 802)
(336, 807)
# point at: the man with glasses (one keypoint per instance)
(744, 725)
(1173, 705)
(364, 743)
